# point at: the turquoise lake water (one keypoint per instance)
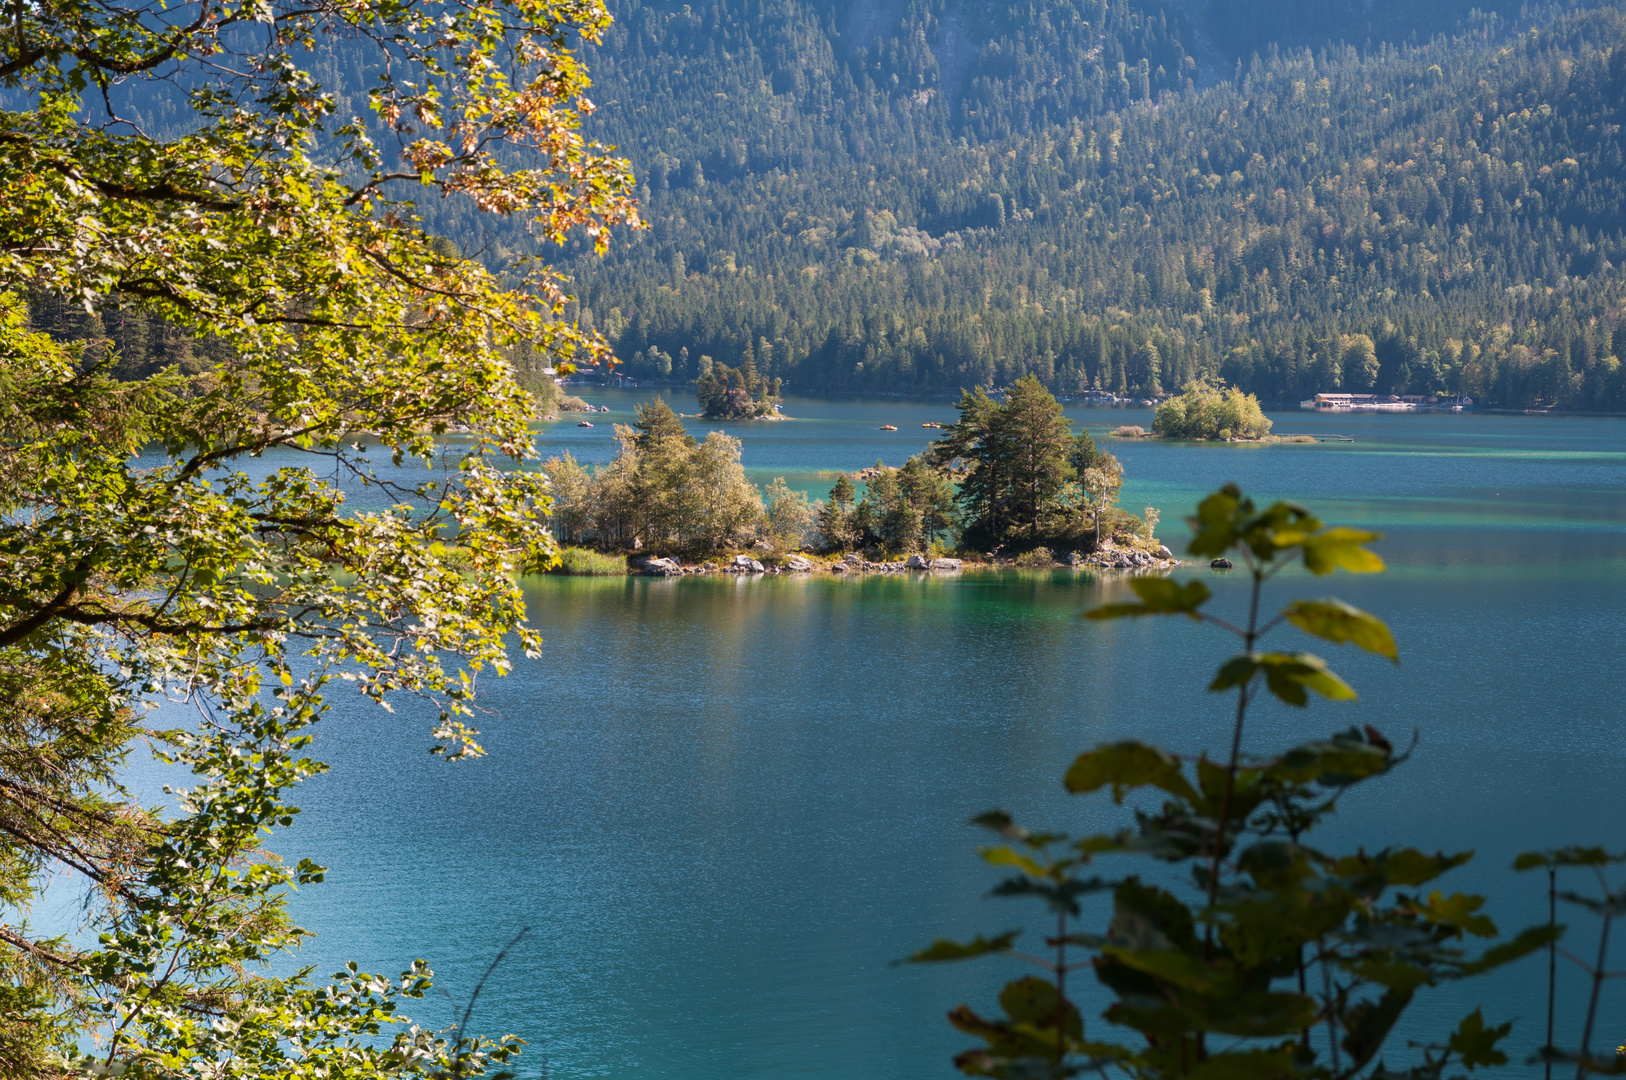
(723, 806)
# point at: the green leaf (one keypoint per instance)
(1125, 766)
(966, 1020)
(1475, 1043)
(1214, 527)
(1256, 1015)
(1523, 944)
(1004, 856)
(1271, 861)
(1035, 1001)
(944, 949)
(1391, 972)
(1336, 762)
(1235, 672)
(1145, 917)
(1567, 856)
(1611, 905)
(1339, 548)
(1406, 867)
(998, 821)
(1103, 843)
(1459, 911)
(1277, 1062)
(1287, 675)
(1368, 1024)
(1334, 620)
(1058, 895)
(1176, 968)
(1159, 596)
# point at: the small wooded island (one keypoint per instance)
(1009, 483)
(727, 393)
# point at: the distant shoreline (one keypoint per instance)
(952, 395)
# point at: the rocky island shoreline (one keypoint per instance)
(1108, 556)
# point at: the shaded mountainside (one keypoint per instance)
(931, 194)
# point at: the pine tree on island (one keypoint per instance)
(1028, 478)
(903, 510)
(835, 516)
(656, 421)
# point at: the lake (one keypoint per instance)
(724, 806)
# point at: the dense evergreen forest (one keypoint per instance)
(926, 196)
(932, 194)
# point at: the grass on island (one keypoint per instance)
(585, 562)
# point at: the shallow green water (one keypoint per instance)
(722, 806)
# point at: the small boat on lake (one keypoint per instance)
(889, 427)
(584, 423)
(931, 423)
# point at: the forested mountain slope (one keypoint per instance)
(921, 195)
(932, 194)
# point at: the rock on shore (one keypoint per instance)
(1111, 557)
(661, 567)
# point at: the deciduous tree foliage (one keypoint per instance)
(664, 489)
(148, 561)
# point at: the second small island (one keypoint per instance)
(1206, 412)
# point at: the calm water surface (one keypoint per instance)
(723, 806)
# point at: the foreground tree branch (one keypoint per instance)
(145, 560)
